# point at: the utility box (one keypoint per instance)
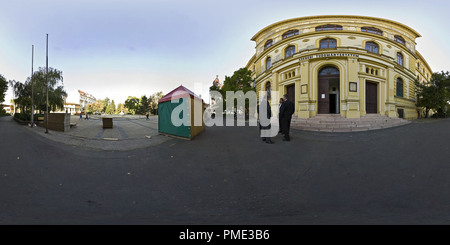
(107, 122)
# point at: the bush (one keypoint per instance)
(22, 116)
(3, 113)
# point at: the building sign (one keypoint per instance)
(329, 55)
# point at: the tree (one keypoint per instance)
(56, 92)
(132, 104)
(106, 102)
(97, 106)
(143, 105)
(111, 108)
(241, 80)
(119, 108)
(434, 94)
(153, 102)
(3, 88)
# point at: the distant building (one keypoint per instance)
(7, 108)
(77, 101)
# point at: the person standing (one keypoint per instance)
(268, 115)
(279, 110)
(147, 115)
(286, 111)
(81, 116)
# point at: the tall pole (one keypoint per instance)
(46, 79)
(32, 86)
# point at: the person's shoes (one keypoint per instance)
(263, 139)
(269, 141)
(286, 139)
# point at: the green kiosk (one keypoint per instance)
(180, 114)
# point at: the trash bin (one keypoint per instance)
(107, 122)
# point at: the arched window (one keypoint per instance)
(290, 33)
(372, 47)
(328, 27)
(268, 63)
(289, 51)
(400, 58)
(329, 71)
(268, 90)
(372, 30)
(328, 43)
(399, 39)
(399, 92)
(268, 44)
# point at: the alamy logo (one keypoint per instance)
(240, 108)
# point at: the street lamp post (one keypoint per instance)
(46, 78)
(32, 86)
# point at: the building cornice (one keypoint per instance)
(340, 17)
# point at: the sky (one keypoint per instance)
(116, 49)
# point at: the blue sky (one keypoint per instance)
(114, 49)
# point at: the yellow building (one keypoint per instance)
(347, 65)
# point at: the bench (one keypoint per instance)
(41, 120)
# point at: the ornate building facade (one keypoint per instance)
(347, 65)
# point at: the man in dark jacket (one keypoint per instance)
(268, 116)
(286, 111)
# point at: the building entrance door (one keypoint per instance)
(327, 75)
(371, 98)
(290, 91)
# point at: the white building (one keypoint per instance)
(77, 101)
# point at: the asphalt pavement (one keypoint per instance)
(227, 175)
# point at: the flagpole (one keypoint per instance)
(32, 86)
(46, 78)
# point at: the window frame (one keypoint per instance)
(329, 27)
(268, 61)
(400, 81)
(372, 30)
(268, 44)
(290, 33)
(288, 49)
(328, 43)
(400, 55)
(400, 39)
(371, 45)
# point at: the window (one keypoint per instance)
(268, 44)
(328, 43)
(399, 39)
(289, 51)
(328, 27)
(329, 71)
(399, 87)
(372, 47)
(372, 30)
(268, 90)
(268, 63)
(290, 33)
(400, 58)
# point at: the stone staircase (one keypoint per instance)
(336, 123)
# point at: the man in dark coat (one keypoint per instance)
(268, 116)
(286, 111)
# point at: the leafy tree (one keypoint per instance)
(111, 108)
(132, 104)
(3, 88)
(119, 108)
(241, 80)
(56, 92)
(143, 105)
(97, 106)
(106, 102)
(153, 102)
(434, 94)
